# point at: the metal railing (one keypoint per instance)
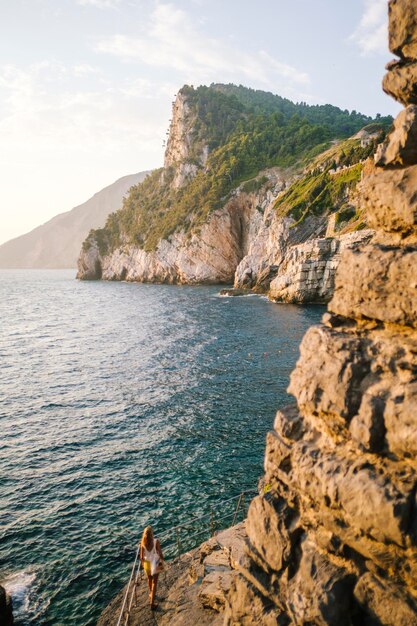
(177, 540)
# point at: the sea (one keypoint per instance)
(123, 405)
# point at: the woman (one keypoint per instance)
(151, 557)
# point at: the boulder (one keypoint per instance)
(403, 28)
(268, 526)
(390, 199)
(400, 148)
(378, 282)
(400, 81)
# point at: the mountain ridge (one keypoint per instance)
(56, 243)
(228, 166)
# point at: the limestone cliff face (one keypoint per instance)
(307, 271)
(181, 142)
(332, 539)
(246, 241)
(207, 257)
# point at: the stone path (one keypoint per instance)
(193, 588)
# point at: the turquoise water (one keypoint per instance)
(122, 405)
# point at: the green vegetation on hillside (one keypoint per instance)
(325, 188)
(246, 131)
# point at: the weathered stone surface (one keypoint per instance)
(180, 144)
(320, 592)
(403, 28)
(400, 147)
(288, 423)
(329, 374)
(365, 378)
(269, 525)
(385, 602)
(378, 282)
(215, 587)
(390, 198)
(400, 82)
(344, 462)
(367, 427)
(306, 273)
(6, 608)
(89, 263)
(366, 496)
(400, 417)
(247, 607)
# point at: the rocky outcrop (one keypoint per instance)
(307, 271)
(246, 242)
(6, 608)
(290, 261)
(180, 153)
(207, 257)
(195, 222)
(332, 538)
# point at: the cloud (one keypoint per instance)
(170, 40)
(50, 104)
(100, 4)
(371, 34)
(66, 131)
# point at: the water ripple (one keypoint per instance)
(124, 404)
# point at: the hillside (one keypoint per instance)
(56, 244)
(231, 152)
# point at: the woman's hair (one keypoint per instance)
(147, 538)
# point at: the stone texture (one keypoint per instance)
(390, 199)
(320, 592)
(400, 147)
(261, 610)
(400, 82)
(403, 28)
(385, 602)
(378, 282)
(334, 538)
(181, 154)
(306, 272)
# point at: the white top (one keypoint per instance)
(152, 556)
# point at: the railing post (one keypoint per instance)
(177, 534)
(236, 510)
(212, 527)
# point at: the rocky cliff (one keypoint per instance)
(332, 539)
(6, 608)
(195, 221)
(56, 244)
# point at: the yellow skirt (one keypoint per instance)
(147, 567)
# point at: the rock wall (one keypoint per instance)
(332, 539)
(209, 256)
(245, 242)
(307, 271)
(180, 143)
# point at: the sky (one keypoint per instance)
(86, 86)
